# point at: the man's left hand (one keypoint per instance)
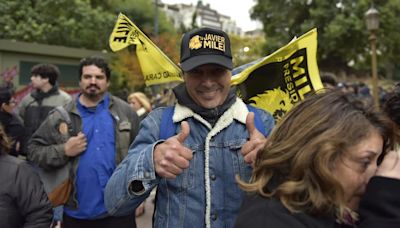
(255, 143)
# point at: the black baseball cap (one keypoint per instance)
(204, 46)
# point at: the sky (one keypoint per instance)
(237, 10)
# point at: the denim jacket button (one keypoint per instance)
(213, 177)
(214, 217)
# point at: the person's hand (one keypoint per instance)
(75, 145)
(390, 166)
(255, 143)
(172, 157)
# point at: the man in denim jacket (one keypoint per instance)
(215, 141)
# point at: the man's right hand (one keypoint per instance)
(75, 145)
(172, 157)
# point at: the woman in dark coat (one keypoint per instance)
(13, 126)
(319, 162)
(23, 201)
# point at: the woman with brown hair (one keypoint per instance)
(317, 163)
(23, 201)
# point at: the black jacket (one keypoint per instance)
(380, 207)
(16, 131)
(23, 202)
(257, 211)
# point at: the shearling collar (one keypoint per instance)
(237, 111)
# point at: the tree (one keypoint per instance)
(62, 22)
(246, 49)
(87, 24)
(125, 63)
(73, 23)
(342, 36)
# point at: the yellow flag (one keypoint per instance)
(277, 82)
(156, 67)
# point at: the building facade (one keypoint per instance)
(17, 59)
(184, 16)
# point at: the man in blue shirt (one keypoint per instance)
(105, 126)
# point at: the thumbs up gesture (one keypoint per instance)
(172, 157)
(255, 143)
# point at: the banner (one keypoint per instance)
(277, 82)
(156, 67)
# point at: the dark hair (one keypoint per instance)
(392, 106)
(5, 95)
(49, 71)
(98, 61)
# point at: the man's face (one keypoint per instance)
(208, 85)
(38, 82)
(93, 82)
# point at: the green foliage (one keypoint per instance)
(60, 22)
(88, 24)
(342, 33)
(142, 13)
(246, 49)
(73, 23)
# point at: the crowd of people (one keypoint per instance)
(213, 161)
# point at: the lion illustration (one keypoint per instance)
(276, 102)
(195, 42)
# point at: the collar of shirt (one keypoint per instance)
(103, 104)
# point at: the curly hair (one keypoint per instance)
(297, 162)
(98, 61)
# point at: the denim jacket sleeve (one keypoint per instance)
(268, 121)
(135, 177)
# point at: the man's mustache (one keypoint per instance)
(94, 86)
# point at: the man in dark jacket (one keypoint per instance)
(46, 95)
(103, 126)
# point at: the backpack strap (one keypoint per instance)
(167, 126)
(64, 114)
(257, 120)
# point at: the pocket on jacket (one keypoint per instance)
(124, 137)
(241, 168)
(186, 180)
